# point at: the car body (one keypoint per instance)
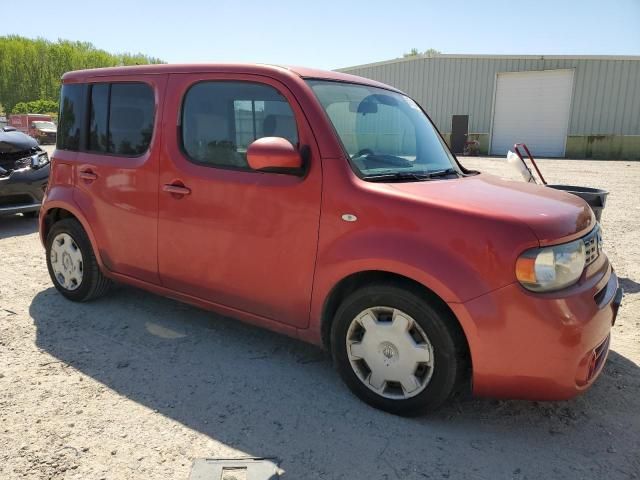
(44, 131)
(36, 125)
(317, 230)
(24, 172)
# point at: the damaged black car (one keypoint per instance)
(24, 172)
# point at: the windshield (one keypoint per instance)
(385, 133)
(44, 125)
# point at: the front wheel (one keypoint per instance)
(396, 351)
(72, 265)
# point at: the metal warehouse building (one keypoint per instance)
(560, 106)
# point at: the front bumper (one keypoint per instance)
(22, 191)
(541, 346)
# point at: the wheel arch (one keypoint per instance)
(356, 280)
(54, 213)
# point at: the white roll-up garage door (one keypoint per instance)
(532, 108)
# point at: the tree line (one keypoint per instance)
(430, 53)
(30, 70)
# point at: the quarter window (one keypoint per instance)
(121, 118)
(71, 116)
(221, 119)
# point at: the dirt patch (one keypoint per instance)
(136, 386)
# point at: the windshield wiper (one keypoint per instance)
(409, 176)
(442, 173)
(384, 160)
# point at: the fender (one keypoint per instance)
(396, 252)
(61, 196)
(457, 264)
(412, 258)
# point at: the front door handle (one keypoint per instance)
(176, 189)
(88, 175)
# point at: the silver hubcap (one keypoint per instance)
(390, 353)
(66, 261)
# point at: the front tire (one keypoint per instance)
(396, 351)
(72, 264)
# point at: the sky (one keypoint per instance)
(330, 34)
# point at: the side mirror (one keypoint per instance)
(274, 154)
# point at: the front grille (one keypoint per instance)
(592, 245)
(8, 159)
(16, 200)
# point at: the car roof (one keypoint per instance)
(246, 68)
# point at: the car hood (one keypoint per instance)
(47, 130)
(11, 142)
(550, 214)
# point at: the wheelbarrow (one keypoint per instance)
(595, 197)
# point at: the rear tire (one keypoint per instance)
(414, 357)
(72, 265)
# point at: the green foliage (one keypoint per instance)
(36, 106)
(414, 52)
(30, 70)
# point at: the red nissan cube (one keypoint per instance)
(327, 207)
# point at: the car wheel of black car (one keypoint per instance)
(396, 351)
(72, 263)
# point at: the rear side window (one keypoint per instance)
(221, 119)
(71, 117)
(131, 109)
(120, 118)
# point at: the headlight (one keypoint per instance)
(39, 160)
(551, 268)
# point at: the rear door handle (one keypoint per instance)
(176, 189)
(88, 175)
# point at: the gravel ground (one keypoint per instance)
(136, 386)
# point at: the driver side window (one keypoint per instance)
(220, 119)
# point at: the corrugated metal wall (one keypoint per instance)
(606, 95)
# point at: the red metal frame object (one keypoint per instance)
(533, 162)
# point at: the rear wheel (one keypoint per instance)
(396, 351)
(72, 264)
